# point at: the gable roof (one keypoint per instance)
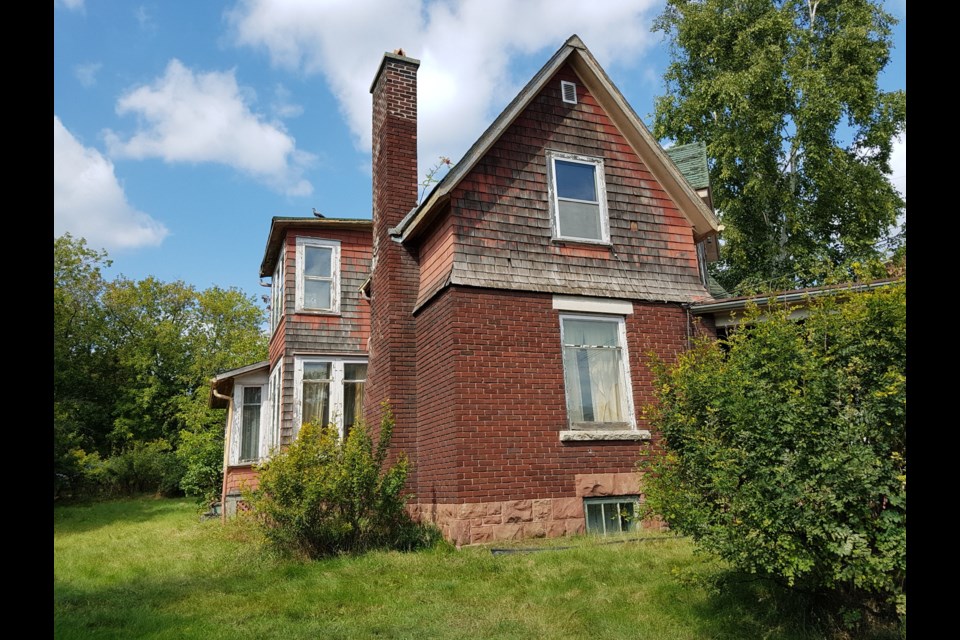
(619, 111)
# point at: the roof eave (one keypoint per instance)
(701, 218)
(279, 225)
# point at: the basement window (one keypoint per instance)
(607, 516)
(578, 198)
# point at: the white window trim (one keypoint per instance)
(277, 301)
(634, 499)
(566, 85)
(599, 182)
(336, 388)
(275, 403)
(630, 433)
(266, 432)
(302, 243)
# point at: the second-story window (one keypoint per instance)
(318, 275)
(276, 293)
(578, 197)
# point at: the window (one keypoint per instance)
(329, 391)
(318, 275)
(596, 376)
(276, 406)
(276, 293)
(610, 515)
(251, 434)
(250, 423)
(578, 198)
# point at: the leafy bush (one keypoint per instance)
(201, 455)
(323, 495)
(144, 467)
(785, 449)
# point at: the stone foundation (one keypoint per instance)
(479, 522)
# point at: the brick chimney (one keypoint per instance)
(392, 370)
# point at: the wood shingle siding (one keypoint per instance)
(501, 224)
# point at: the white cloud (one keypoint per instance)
(465, 49)
(89, 202)
(205, 117)
(87, 73)
(898, 164)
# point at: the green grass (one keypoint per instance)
(149, 568)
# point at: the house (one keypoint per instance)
(507, 318)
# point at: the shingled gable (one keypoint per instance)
(574, 52)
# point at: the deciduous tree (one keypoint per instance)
(799, 134)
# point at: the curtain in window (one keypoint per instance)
(316, 392)
(592, 371)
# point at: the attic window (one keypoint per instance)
(569, 92)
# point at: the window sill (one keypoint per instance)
(580, 436)
(599, 244)
(318, 312)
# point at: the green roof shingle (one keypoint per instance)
(691, 159)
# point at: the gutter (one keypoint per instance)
(730, 305)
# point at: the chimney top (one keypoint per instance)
(398, 55)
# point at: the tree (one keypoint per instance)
(83, 367)
(785, 447)
(784, 93)
(132, 364)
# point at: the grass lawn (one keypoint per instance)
(149, 568)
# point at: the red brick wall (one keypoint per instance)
(238, 478)
(391, 375)
(494, 386)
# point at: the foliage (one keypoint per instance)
(326, 495)
(133, 360)
(433, 175)
(784, 93)
(201, 456)
(143, 467)
(785, 447)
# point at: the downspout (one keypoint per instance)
(686, 307)
(226, 449)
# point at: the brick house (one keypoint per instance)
(507, 317)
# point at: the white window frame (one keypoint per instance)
(336, 388)
(276, 292)
(599, 184)
(302, 243)
(275, 402)
(627, 382)
(608, 500)
(266, 432)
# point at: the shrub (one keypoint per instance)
(323, 495)
(144, 467)
(201, 456)
(785, 449)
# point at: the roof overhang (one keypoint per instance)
(280, 225)
(725, 311)
(574, 52)
(221, 385)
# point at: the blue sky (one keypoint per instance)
(181, 128)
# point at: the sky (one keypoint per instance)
(181, 128)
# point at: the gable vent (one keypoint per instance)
(569, 92)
